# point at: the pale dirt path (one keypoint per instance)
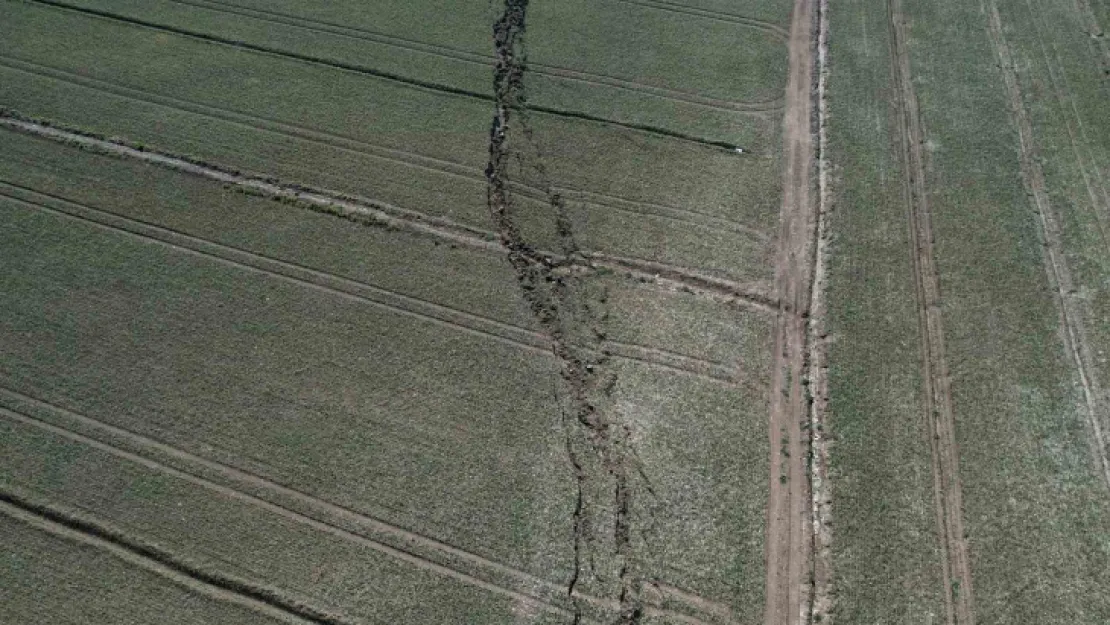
(1059, 276)
(821, 597)
(937, 394)
(789, 538)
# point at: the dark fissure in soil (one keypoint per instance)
(565, 296)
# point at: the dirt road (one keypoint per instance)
(789, 540)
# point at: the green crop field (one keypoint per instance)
(628, 312)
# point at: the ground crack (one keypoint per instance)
(569, 302)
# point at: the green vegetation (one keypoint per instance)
(1066, 94)
(60, 581)
(1036, 514)
(886, 564)
(353, 133)
(354, 404)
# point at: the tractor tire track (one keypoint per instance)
(789, 538)
(1073, 332)
(1061, 89)
(356, 146)
(191, 576)
(455, 54)
(937, 396)
(335, 285)
(352, 526)
(373, 213)
(732, 18)
(368, 71)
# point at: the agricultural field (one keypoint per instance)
(705, 312)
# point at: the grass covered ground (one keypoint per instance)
(158, 303)
(1034, 508)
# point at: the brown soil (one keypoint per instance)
(789, 540)
(937, 397)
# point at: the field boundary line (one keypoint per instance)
(821, 599)
(340, 142)
(226, 588)
(372, 212)
(789, 534)
(1097, 187)
(937, 395)
(1071, 320)
(757, 107)
(721, 16)
(360, 291)
(289, 503)
(423, 85)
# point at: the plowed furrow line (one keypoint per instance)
(344, 143)
(344, 287)
(731, 18)
(1071, 317)
(376, 73)
(80, 529)
(789, 536)
(937, 397)
(455, 54)
(370, 212)
(349, 525)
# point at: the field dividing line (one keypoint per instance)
(455, 54)
(1071, 318)
(413, 83)
(421, 551)
(789, 534)
(937, 396)
(351, 289)
(75, 529)
(394, 155)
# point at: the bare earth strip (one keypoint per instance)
(821, 597)
(1071, 318)
(789, 538)
(935, 376)
(369, 211)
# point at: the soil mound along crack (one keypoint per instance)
(571, 309)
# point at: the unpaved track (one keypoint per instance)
(789, 539)
(821, 597)
(935, 377)
(1059, 276)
